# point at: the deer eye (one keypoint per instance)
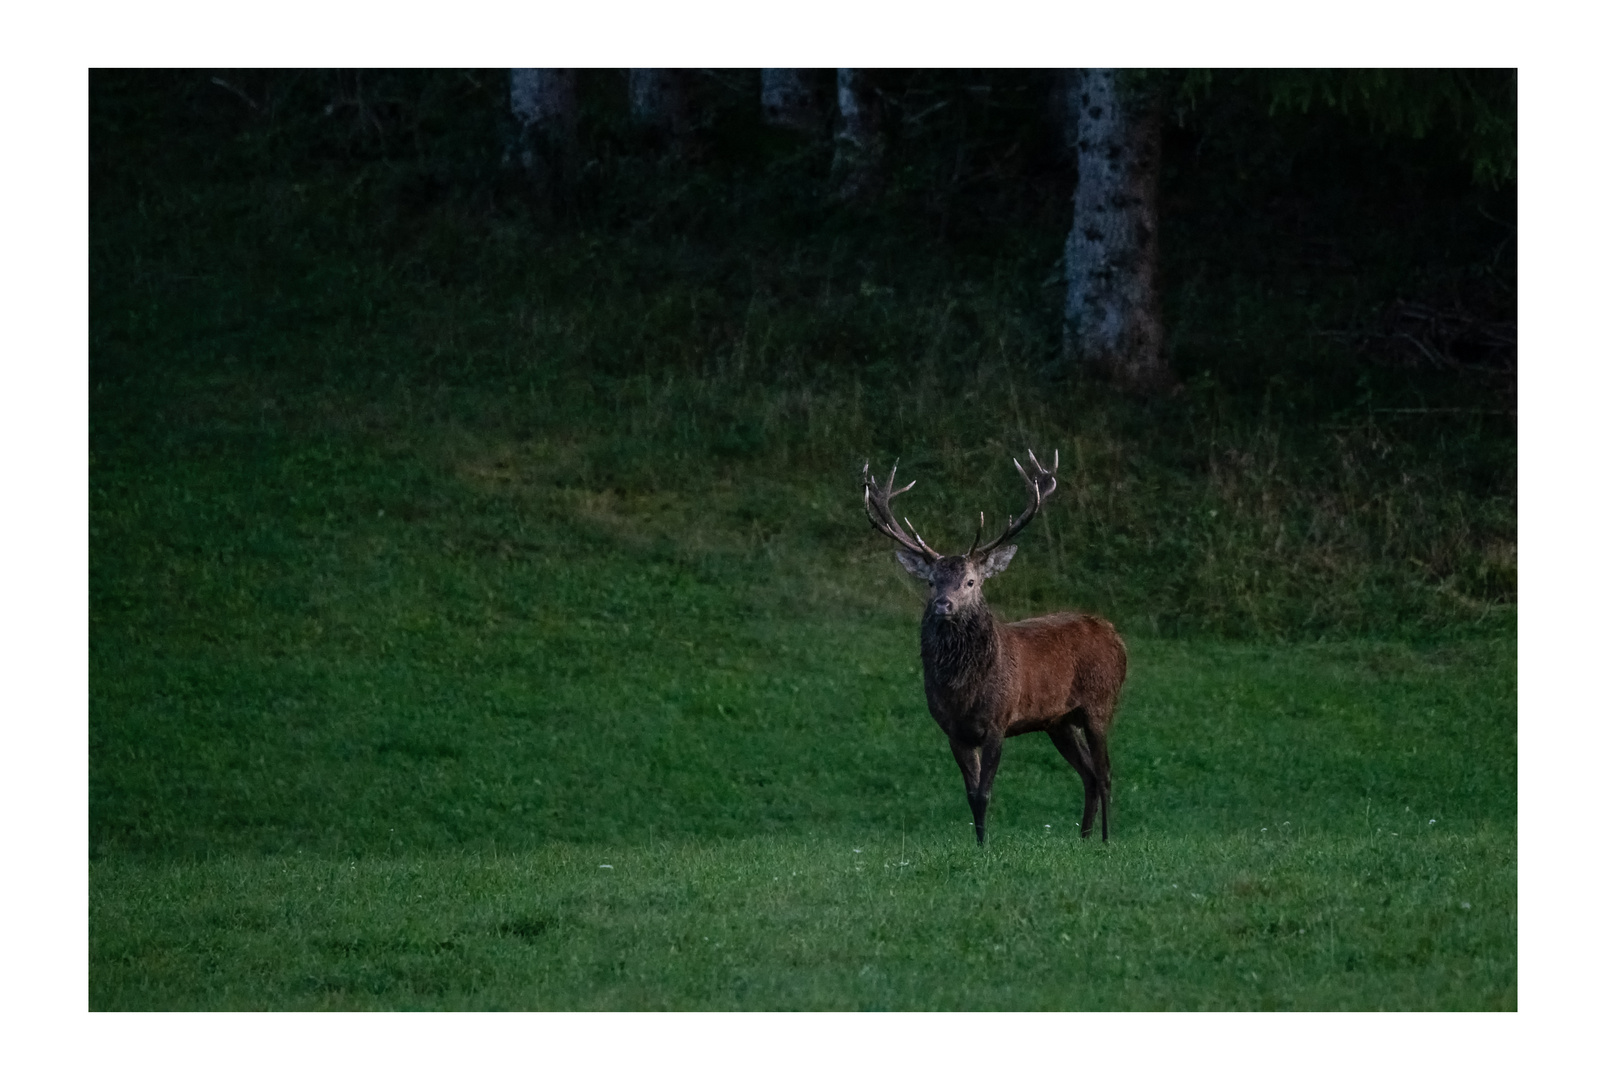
(969, 583)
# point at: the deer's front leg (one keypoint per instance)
(969, 759)
(991, 751)
(978, 764)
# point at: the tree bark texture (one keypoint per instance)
(860, 146)
(658, 100)
(544, 104)
(788, 99)
(1112, 302)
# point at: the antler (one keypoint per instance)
(877, 508)
(1039, 493)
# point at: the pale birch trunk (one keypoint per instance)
(788, 99)
(856, 167)
(543, 101)
(1112, 302)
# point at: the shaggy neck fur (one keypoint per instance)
(959, 652)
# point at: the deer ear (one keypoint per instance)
(998, 561)
(913, 563)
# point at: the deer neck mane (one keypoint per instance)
(960, 652)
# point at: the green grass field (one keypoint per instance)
(357, 744)
(483, 616)
(1294, 918)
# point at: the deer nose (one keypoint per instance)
(943, 605)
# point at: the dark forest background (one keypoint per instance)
(1338, 283)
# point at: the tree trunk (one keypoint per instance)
(543, 101)
(1112, 303)
(859, 144)
(658, 101)
(788, 99)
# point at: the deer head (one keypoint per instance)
(955, 580)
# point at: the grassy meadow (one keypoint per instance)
(483, 614)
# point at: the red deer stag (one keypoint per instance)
(987, 680)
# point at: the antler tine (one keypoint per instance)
(877, 500)
(869, 480)
(923, 545)
(1034, 480)
(981, 526)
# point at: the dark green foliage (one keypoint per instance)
(1469, 112)
(479, 540)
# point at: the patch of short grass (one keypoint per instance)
(1295, 918)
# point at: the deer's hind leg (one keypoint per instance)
(1072, 745)
(1098, 742)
